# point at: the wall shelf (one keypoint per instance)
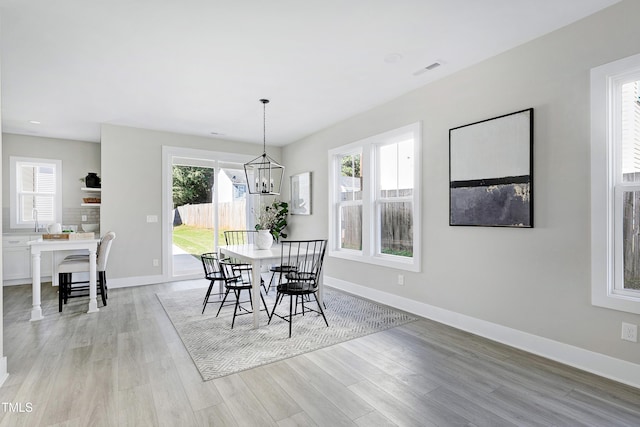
(91, 190)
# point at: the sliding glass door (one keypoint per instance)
(193, 213)
(205, 195)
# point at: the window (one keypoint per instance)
(394, 197)
(239, 191)
(36, 192)
(615, 184)
(374, 199)
(350, 202)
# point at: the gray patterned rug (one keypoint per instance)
(217, 350)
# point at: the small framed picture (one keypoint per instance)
(301, 194)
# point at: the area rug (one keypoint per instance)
(217, 350)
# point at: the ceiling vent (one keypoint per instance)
(427, 68)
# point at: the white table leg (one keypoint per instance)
(93, 302)
(255, 288)
(36, 310)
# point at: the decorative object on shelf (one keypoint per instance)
(491, 172)
(91, 200)
(264, 239)
(301, 194)
(264, 175)
(273, 217)
(92, 180)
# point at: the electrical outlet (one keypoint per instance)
(152, 218)
(401, 279)
(156, 263)
(629, 332)
(84, 217)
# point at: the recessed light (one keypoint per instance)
(392, 58)
(34, 122)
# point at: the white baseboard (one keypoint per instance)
(126, 282)
(27, 281)
(586, 360)
(3, 370)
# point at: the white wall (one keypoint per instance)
(225, 188)
(78, 158)
(535, 281)
(3, 359)
(132, 189)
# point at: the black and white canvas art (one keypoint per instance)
(491, 172)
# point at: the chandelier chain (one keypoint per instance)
(264, 175)
(264, 125)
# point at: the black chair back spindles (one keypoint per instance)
(240, 237)
(211, 266)
(303, 260)
(234, 281)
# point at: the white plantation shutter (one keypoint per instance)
(36, 189)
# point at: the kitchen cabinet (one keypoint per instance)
(16, 259)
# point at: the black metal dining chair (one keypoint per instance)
(242, 237)
(235, 282)
(305, 258)
(212, 272)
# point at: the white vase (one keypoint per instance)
(264, 239)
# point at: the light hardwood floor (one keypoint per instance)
(127, 366)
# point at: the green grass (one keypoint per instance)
(193, 240)
(399, 252)
(633, 283)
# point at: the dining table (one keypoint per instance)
(42, 245)
(251, 254)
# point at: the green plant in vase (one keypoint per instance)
(273, 217)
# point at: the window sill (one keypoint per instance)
(408, 264)
(614, 301)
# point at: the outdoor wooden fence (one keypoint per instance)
(231, 215)
(397, 223)
(631, 242)
(396, 228)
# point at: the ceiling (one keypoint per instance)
(199, 67)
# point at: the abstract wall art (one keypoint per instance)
(491, 172)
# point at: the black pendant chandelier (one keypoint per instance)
(264, 175)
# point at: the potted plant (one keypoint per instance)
(273, 217)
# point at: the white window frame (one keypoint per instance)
(607, 289)
(15, 217)
(339, 204)
(370, 252)
(215, 159)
